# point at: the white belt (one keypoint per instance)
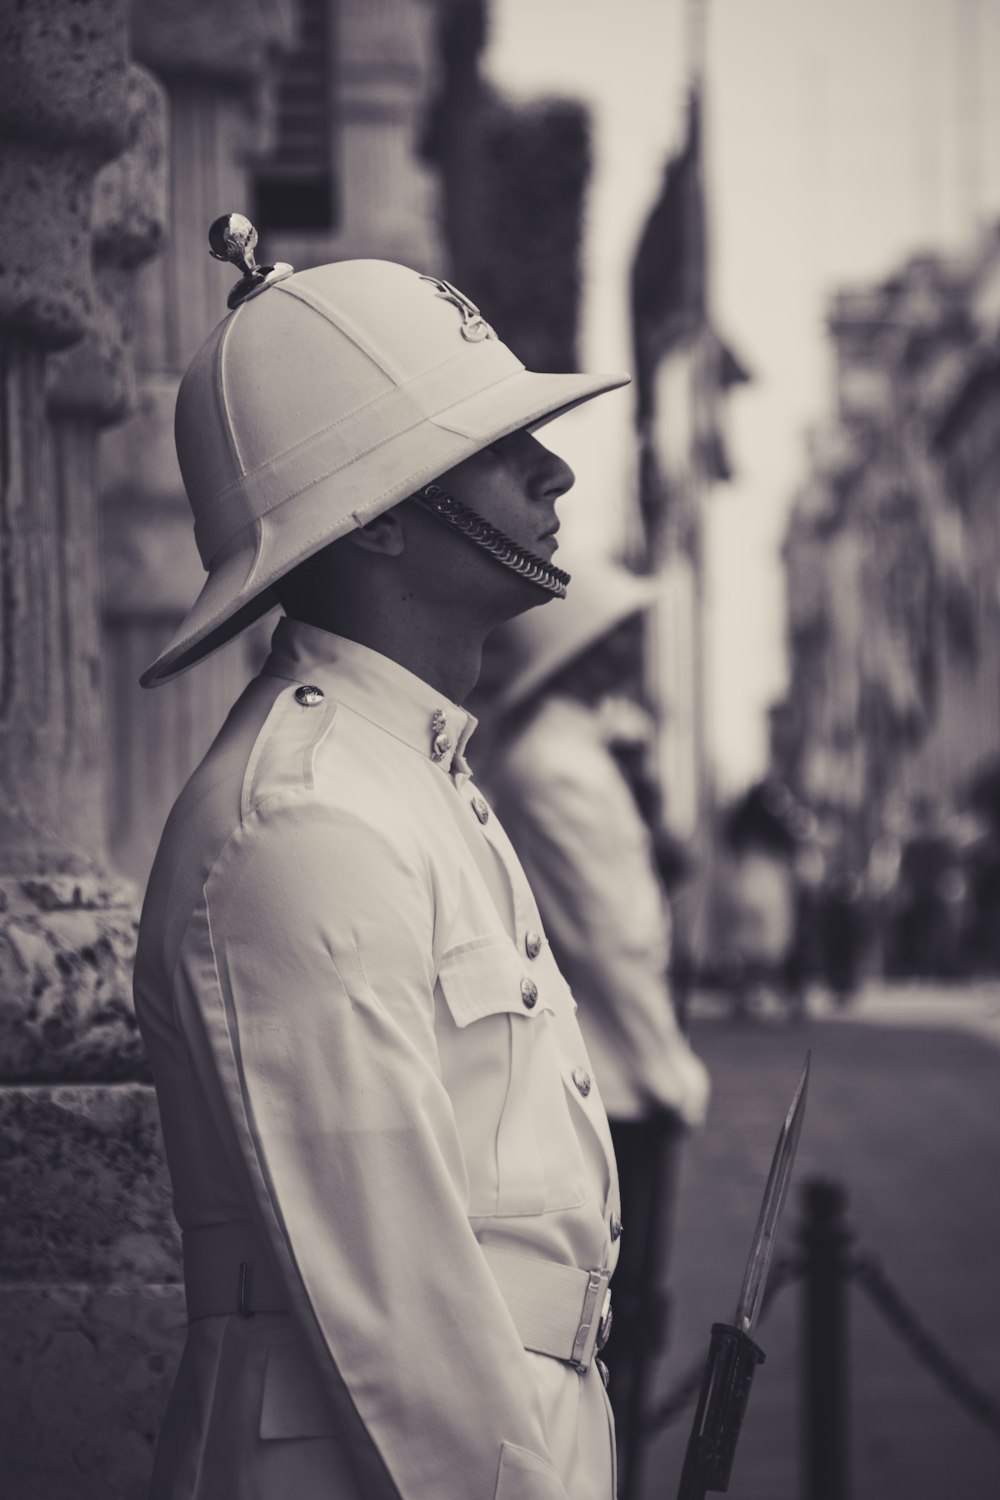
(558, 1310)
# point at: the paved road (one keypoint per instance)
(904, 1109)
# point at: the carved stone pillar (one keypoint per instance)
(215, 63)
(86, 1319)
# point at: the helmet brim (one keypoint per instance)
(239, 586)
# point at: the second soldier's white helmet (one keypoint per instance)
(323, 399)
(527, 652)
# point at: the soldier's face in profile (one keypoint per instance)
(514, 484)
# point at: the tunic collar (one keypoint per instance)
(377, 688)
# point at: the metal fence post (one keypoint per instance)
(824, 1238)
(644, 1326)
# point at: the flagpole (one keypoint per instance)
(695, 43)
(669, 322)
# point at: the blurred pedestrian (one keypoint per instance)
(590, 860)
(926, 930)
(765, 931)
(843, 929)
(982, 861)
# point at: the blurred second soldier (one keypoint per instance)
(588, 855)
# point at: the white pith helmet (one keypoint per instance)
(323, 399)
(530, 650)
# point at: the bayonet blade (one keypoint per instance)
(755, 1278)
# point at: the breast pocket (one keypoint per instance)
(502, 1065)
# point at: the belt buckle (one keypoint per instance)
(594, 1329)
(606, 1323)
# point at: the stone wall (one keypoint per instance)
(91, 1307)
(121, 137)
(89, 1303)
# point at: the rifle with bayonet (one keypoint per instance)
(733, 1355)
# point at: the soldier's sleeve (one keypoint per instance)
(306, 991)
(586, 855)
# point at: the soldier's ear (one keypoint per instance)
(384, 534)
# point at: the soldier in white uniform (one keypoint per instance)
(390, 1162)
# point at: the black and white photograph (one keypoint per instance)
(499, 749)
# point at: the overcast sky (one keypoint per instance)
(840, 138)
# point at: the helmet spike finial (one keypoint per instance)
(233, 238)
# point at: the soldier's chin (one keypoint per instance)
(541, 578)
(524, 594)
(540, 574)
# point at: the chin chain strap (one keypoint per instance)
(433, 499)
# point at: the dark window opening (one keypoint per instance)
(295, 203)
(294, 185)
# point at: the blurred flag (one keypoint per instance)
(682, 367)
(669, 273)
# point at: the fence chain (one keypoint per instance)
(868, 1272)
(684, 1391)
(898, 1312)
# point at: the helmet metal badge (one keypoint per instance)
(474, 325)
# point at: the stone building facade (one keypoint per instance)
(892, 556)
(123, 133)
(228, 70)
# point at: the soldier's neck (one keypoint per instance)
(444, 657)
(445, 661)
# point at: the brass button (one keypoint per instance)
(529, 993)
(532, 944)
(616, 1227)
(309, 696)
(480, 809)
(582, 1080)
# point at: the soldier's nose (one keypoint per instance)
(553, 475)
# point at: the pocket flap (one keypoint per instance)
(486, 977)
(294, 1404)
(525, 1476)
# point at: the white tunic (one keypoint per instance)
(335, 983)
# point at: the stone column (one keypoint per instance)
(215, 62)
(87, 1312)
